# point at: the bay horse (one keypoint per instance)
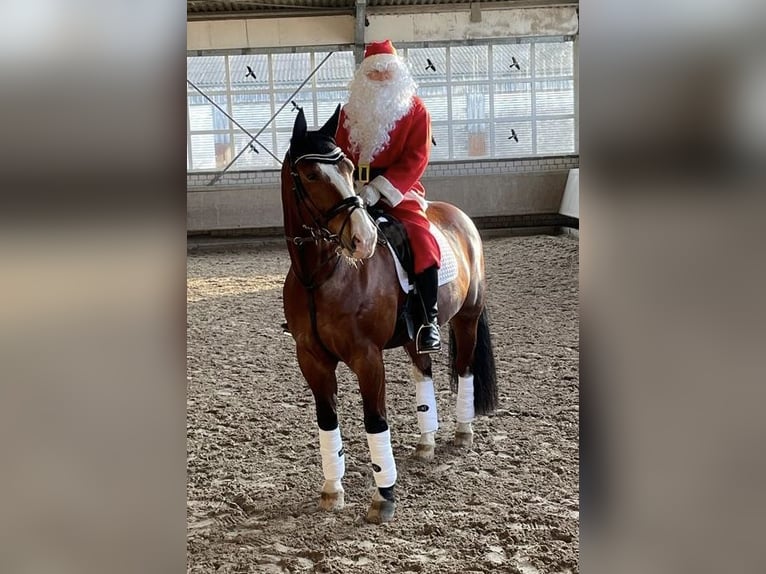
(341, 301)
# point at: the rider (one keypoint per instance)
(385, 129)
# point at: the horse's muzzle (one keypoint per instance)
(362, 249)
(363, 236)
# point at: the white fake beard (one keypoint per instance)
(374, 108)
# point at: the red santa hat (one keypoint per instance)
(379, 55)
(375, 48)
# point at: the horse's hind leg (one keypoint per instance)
(462, 345)
(425, 403)
(473, 371)
(320, 375)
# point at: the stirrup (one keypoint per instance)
(434, 347)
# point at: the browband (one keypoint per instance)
(333, 156)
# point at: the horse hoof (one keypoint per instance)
(424, 452)
(332, 501)
(381, 511)
(464, 439)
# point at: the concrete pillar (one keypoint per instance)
(361, 15)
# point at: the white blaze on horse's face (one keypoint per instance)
(360, 233)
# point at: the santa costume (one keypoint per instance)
(385, 129)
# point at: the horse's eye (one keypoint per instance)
(312, 177)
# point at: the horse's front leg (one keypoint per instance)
(368, 367)
(319, 372)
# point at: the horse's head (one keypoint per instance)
(322, 176)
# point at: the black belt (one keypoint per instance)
(371, 172)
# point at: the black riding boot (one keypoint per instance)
(428, 339)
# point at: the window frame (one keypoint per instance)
(491, 83)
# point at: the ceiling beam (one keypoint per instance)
(313, 11)
(466, 6)
(276, 13)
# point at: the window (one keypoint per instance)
(499, 100)
(494, 100)
(252, 88)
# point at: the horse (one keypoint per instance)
(341, 301)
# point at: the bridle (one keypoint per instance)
(319, 231)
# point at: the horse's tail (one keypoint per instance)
(484, 377)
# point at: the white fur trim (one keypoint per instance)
(333, 457)
(387, 190)
(379, 62)
(382, 457)
(464, 410)
(369, 194)
(428, 420)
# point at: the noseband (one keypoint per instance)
(319, 231)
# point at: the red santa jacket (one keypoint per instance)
(404, 159)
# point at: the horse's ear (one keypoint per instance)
(299, 127)
(331, 126)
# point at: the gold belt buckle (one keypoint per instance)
(364, 172)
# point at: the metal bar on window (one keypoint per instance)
(188, 134)
(314, 89)
(272, 98)
(227, 79)
(448, 75)
(576, 92)
(532, 87)
(491, 96)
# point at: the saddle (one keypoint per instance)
(410, 313)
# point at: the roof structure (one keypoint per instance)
(212, 9)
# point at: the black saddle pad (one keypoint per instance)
(395, 235)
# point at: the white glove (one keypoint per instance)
(369, 194)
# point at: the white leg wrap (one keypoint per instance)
(425, 402)
(333, 457)
(383, 465)
(464, 411)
